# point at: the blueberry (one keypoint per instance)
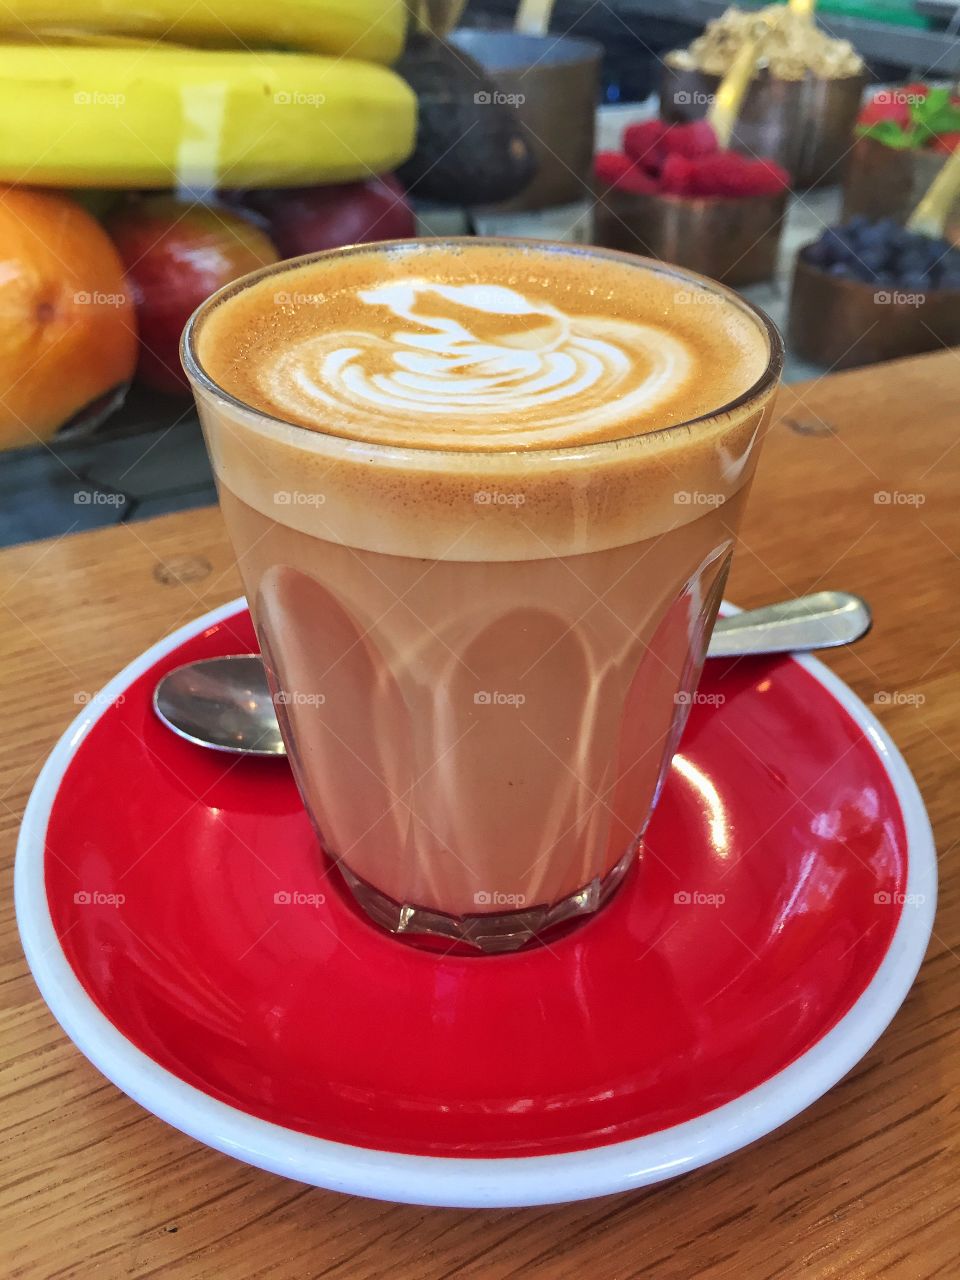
(876, 237)
(873, 259)
(923, 251)
(856, 227)
(817, 254)
(885, 277)
(886, 227)
(933, 256)
(950, 279)
(911, 263)
(836, 244)
(841, 270)
(914, 282)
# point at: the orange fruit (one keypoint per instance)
(67, 330)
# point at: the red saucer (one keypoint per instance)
(191, 902)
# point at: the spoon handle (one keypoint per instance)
(820, 621)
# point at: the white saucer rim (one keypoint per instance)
(467, 1182)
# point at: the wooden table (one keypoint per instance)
(862, 1184)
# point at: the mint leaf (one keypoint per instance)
(892, 135)
(935, 114)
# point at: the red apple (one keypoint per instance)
(308, 219)
(175, 254)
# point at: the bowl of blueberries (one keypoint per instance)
(870, 289)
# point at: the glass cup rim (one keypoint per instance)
(768, 378)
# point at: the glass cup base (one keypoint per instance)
(489, 932)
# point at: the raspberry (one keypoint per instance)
(766, 178)
(610, 166)
(646, 143)
(946, 142)
(727, 173)
(691, 140)
(636, 182)
(719, 174)
(886, 105)
(677, 176)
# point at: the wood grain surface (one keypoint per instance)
(864, 1184)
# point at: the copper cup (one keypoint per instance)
(843, 323)
(730, 239)
(882, 182)
(805, 125)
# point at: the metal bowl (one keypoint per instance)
(843, 323)
(554, 83)
(733, 240)
(882, 182)
(805, 125)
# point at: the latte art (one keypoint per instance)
(476, 364)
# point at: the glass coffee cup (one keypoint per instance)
(483, 628)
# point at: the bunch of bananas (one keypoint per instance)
(97, 93)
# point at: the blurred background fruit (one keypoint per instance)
(470, 145)
(176, 254)
(371, 30)
(169, 117)
(68, 340)
(672, 192)
(903, 136)
(308, 219)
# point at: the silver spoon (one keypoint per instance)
(225, 704)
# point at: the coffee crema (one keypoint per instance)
(480, 348)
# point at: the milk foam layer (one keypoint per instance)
(481, 400)
(475, 365)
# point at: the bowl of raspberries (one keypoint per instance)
(870, 290)
(904, 135)
(672, 193)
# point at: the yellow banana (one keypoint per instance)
(174, 117)
(368, 30)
